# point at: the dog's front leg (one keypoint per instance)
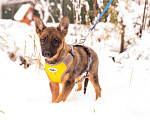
(67, 85)
(54, 87)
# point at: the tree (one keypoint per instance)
(122, 36)
(44, 8)
(143, 24)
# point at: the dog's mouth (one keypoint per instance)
(51, 60)
(49, 57)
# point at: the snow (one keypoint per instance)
(21, 12)
(25, 94)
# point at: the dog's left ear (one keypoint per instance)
(39, 25)
(63, 26)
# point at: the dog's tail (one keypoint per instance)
(85, 84)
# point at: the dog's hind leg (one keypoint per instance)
(79, 87)
(94, 80)
(67, 85)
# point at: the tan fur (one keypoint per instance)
(65, 90)
(96, 87)
(54, 87)
(79, 64)
(79, 87)
(79, 84)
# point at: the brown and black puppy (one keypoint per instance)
(54, 49)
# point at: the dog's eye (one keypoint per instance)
(43, 40)
(56, 42)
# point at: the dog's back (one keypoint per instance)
(79, 67)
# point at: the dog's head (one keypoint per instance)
(51, 38)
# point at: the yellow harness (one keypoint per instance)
(57, 71)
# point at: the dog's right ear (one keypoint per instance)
(39, 25)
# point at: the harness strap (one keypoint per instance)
(88, 64)
(72, 51)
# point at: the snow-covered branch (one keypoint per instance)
(44, 6)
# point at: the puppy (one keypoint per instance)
(63, 63)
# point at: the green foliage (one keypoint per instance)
(113, 17)
(83, 13)
(54, 11)
(9, 10)
(111, 11)
(66, 11)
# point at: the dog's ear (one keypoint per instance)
(39, 25)
(63, 26)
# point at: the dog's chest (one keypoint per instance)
(56, 71)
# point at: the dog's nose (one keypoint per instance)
(47, 54)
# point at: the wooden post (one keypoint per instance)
(143, 25)
(122, 36)
(1, 11)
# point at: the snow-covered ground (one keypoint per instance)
(25, 94)
(125, 83)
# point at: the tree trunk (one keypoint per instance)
(143, 25)
(94, 9)
(61, 13)
(122, 36)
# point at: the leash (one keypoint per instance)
(101, 15)
(86, 49)
(83, 40)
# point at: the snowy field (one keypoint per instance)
(25, 94)
(125, 83)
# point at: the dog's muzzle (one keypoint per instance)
(47, 54)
